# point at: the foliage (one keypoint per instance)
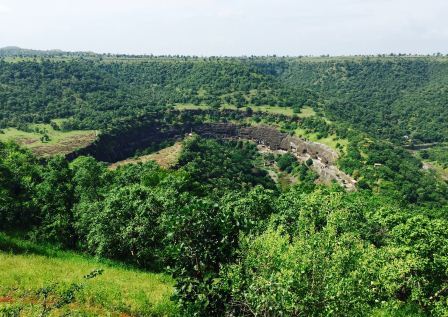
(234, 242)
(437, 154)
(26, 268)
(396, 98)
(222, 164)
(327, 254)
(392, 171)
(286, 162)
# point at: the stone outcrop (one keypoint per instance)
(121, 145)
(269, 136)
(270, 139)
(316, 150)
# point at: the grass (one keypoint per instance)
(60, 142)
(269, 109)
(120, 291)
(306, 112)
(190, 106)
(331, 140)
(274, 110)
(166, 157)
(287, 111)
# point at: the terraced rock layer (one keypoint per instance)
(113, 148)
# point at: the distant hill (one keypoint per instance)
(14, 51)
(403, 99)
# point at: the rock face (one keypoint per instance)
(115, 147)
(260, 134)
(316, 150)
(270, 137)
(272, 140)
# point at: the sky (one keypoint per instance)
(227, 27)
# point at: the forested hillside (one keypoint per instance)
(96, 92)
(241, 229)
(235, 243)
(401, 99)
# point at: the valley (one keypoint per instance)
(222, 186)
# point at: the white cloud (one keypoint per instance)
(4, 9)
(227, 27)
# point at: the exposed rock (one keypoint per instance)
(324, 158)
(121, 145)
(270, 137)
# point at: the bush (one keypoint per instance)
(286, 162)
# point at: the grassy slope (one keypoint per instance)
(166, 157)
(304, 113)
(60, 142)
(119, 291)
(330, 141)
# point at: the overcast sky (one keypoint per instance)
(227, 27)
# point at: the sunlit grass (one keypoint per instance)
(190, 106)
(306, 112)
(287, 111)
(274, 110)
(13, 134)
(167, 157)
(331, 140)
(58, 142)
(24, 268)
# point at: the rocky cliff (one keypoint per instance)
(270, 137)
(121, 145)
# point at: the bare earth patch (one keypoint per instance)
(26, 141)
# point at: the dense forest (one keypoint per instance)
(235, 240)
(401, 99)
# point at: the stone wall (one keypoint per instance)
(270, 139)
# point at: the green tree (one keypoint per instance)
(55, 197)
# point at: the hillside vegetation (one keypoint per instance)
(234, 242)
(47, 139)
(28, 270)
(402, 99)
(231, 230)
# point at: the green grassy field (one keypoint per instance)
(304, 113)
(330, 140)
(190, 106)
(269, 109)
(167, 157)
(26, 268)
(60, 142)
